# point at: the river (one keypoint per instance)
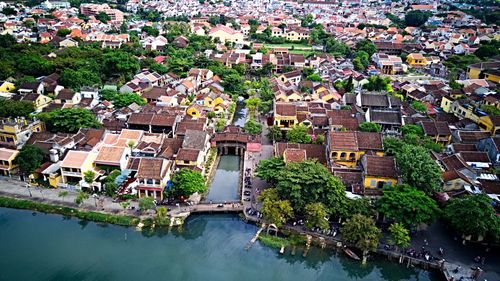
(224, 186)
(37, 246)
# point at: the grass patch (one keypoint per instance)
(68, 212)
(288, 45)
(273, 241)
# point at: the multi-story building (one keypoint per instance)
(14, 132)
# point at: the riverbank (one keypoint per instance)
(69, 212)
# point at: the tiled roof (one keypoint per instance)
(379, 166)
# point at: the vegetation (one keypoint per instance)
(69, 120)
(473, 215)
(273, 209)
(253, 127)
(273, 241)
(12, 108)
(361, 232)
(121, 99)
(298, 134)
(416, 18)
(370, 127)
(274, 133)
(316, 216)
(81, 197)
(378, 83)
(68, 212)
(187, 182)
(146, 203)
(407, 205)
(418, 106)
(29, 159)
(367, 47)
(399, 236)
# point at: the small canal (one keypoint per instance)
(225, 183)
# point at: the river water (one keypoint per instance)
(37, 246)
(224, 186)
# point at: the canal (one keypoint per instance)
(225, 183)
(37, 246)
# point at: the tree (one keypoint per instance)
(399, 236)
(377, 83)
(316, 216)
(151, 31)
(186, 182)
(81, 197)
(333, 46)
(29, 159)
(124, 205)
(416, 18)
(12, 108)
(367, 46)
(268, 169)
(361, 232)
(298, 134)
(273, 210)
(75, 79)
(120, 63)
(370, 127)
(103, 17)
(34, 65)
(407, 205)
(310, 182)
(253, 127)
(89, 176)
(252, 104)
(126, 99)
(63, 194)
(146, 203)
(418, 169)
(486, 51)
(63, 32)
(69, 120)
(411, 129)
(161, 216)
(358, 65)
(274, 133)
(314, 77)
(472, 215)
(418, 106)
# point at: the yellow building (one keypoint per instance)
(489, 123)
(487, 70)
(194, 111)
(347, 148)
(39, 101)
(378, 171)
(75, 165)
(6, 87)
(7, 157)
(416, 60)
(446, 103)
(14, 132)
(285, 115)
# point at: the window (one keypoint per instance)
(389, 183)
(352, 156)
(373, 183)
(343, 155)
(334, 155)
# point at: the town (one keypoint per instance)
(368, 123)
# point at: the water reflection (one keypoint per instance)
(240, 114)
(224, 186)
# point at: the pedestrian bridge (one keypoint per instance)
(228, 207)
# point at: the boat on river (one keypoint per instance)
(351, 254)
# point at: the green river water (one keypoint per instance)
(37, 246)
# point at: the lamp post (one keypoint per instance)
(95, 199)
(29, 190)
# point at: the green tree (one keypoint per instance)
(358, 65)
(268, 169)
(186, 182)
(253, 127)
(274, 133)
(12, 108)
(124, 205)
(75, 79)
(69, 120)
(120, 63)
(309, 182)
(361, 232)
(63, 32)
(253, 105)
(314, 77)
(411, 129)
(146, 203)
(298, 134)
(126, 99)
(103, 17)
(149, 30)
(316, 216)
(273, 210)
(377, 83)
(370, 127)
(367, 46)
(81, 197)
(34, 65)
(9, 11)
(399, 236)
(161, 216)
(407, 205)
(418, 168)
(418, 106)
(63, 194)
(29, 159)
(416, 18)
(335, 47)
(89, 176)
(472, 215)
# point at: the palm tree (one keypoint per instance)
(63, 194)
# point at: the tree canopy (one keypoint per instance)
(187, 182)
(473, 215)
(370, 127)
(316, 216)
(298, 134)
(12, 108)
(399, 236)
(407, 205)
(361, 232)
(29, 159)
(253, 127)
(273, 209)
(69, 120)
(416, 18)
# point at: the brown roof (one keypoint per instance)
(472, 136)
(110, 155)
(355, 141)
(7, 154)
(294, 155)
(187, 154)
(286, 109)
(74, 159)
(435, 128)
(453, 162)
(65, 94)
(152, 168)
(313, 151)
(379, 166)
(475, 156)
